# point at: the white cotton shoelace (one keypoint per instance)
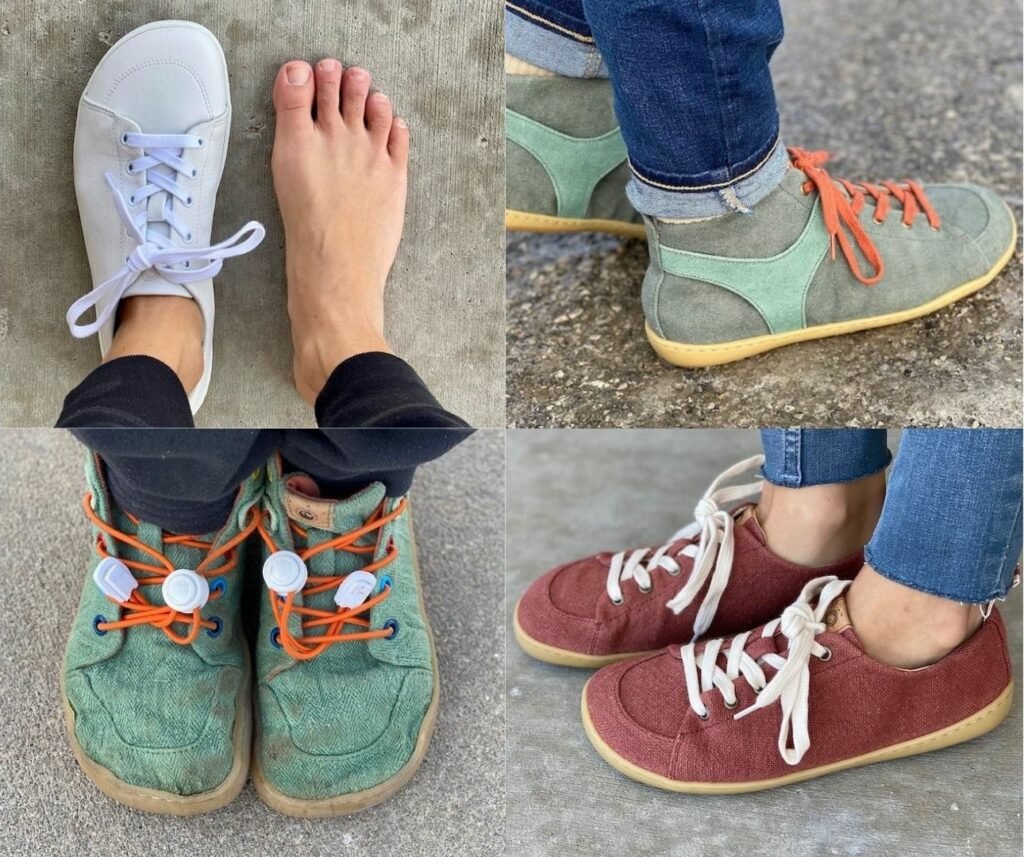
(161, 162)
(713, 522)
(799, 623)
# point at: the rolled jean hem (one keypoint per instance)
(666, 201)
(997, 595)
(552, 47)
(778, 483)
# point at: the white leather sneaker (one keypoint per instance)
(150, 145)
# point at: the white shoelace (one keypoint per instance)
(714, 524)
(799, 623)
(161, 162)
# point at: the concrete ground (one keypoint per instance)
(441, 64)
(911, 89)
(453, 805)
(574, 493)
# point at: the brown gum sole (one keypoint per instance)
(524, 221)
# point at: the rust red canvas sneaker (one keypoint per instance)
(792, 700)
(715, 576)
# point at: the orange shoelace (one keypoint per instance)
(841, 209)
(139, 610)
(306, 645)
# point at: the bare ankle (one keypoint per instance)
(905, 627)
(165, 327)
(821, 524)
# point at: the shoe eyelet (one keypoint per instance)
(124, 138)
(130, 169)
(275, 637)
(826, 655)
(673, 573)
(188, 238)
(385, 582)
(618, 602)
(878, 222)
(131, 199)
(96, 625)
(735, 704)
(188, 264)
(218, 586)
(645, 591)
(188, 202)
(218, 626)
(393, 625)
(936, 229)
(705, 716)
(907, 225)
(200, 143)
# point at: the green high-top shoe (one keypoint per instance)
(347, 684)
(156, 680)
(818, 257)
(566, 167)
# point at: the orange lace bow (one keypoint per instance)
(333, 624)
(841, 209)
(137, 609)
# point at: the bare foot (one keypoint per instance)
(166, 327)
(340, 179)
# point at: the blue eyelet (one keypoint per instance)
(393, 625)
(218, 626)
(218, 586)
(95, 625)
(275, 638)
(385, 583)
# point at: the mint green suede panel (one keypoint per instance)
(609, 200)
(158, 714)
(775, 286)
(528, 186)
(347, 719)
(575, 165)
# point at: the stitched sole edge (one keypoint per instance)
(168, 803)
(347, 804)
(970, 727)
(699, 356)
(562, 657)
(524, 221)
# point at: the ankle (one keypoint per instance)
(317, 357)
(821, 524)
(165, 327)
(903, 627)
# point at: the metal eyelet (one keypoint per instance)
(826, 655)
(131, 199)
(877, 221)
(188, 202)
(705, 716)
(734, 705)
(130, 169)
(674, 573)
(96, 623)
(124, 138)
(218, 586)
(618, 602)
(393, 625)
(275, 637)
(218, 626)
(645, 591)
(385, 583)
(188, 238)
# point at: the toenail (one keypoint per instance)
(400, 122)
(297, 73)
(359, 73)
(328, 65)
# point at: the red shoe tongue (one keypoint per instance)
(302, 484)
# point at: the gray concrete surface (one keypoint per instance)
(441, 64)
(573, 493)
(454, 804)
(912, 89)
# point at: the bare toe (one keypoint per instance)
(355, 87)
(379, 116)
(398, 141)
(293, 94)
(328, 93)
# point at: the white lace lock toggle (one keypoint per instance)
(354, 589)
(185, 591)
(114, 579)
(284, 572)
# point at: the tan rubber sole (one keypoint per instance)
(971, 727)
(700, 356)
(347, 804)
(168, 803)
(524, 221)
(562, 657)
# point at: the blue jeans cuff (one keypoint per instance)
(550, 46)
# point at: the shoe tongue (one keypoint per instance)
(304, 505)
(180, 556)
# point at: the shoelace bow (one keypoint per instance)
(138, 608)
(799, 623)
(154, 250)
(308, 646)
(842, 209)
(712, 554)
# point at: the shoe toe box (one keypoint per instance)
(560, 608)
(980, 214)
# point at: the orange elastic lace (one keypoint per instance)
(139, 610)
(843, 209)
(308, 646)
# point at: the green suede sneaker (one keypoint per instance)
(156, 680)
(566, 167)
(347, 684)
(730, 287)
